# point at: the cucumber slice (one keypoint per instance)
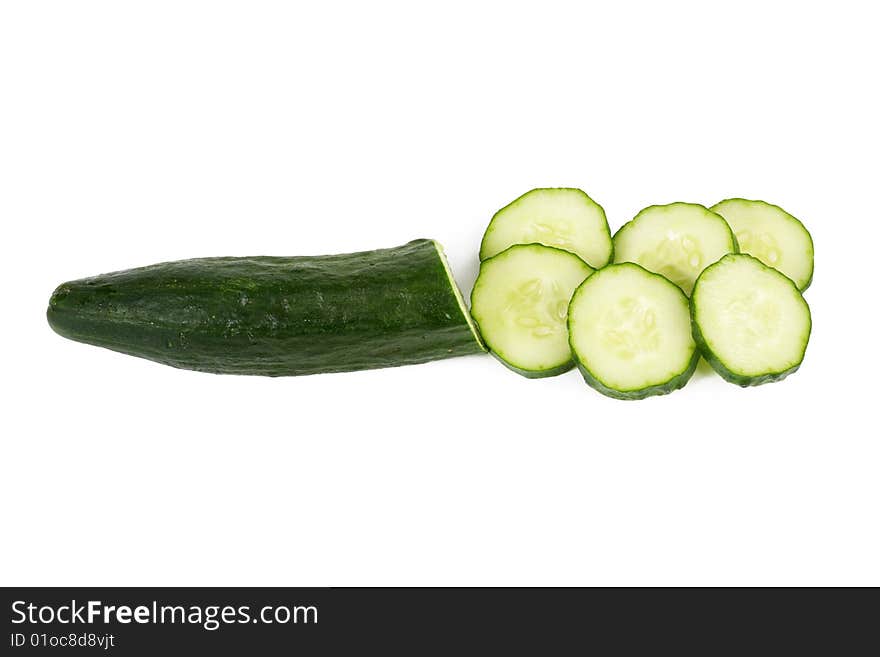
(564, 217)
(773, 236)
(520, 303)
(630, 333)
(678, 241)
(751, 322)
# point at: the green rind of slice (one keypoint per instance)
(534, 374)
(675, 383)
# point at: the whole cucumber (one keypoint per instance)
(276, 316)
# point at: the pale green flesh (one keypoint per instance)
(773, 236)
(457, 292)
(677, 241)
(631, 329)
(520, 302)
(751, 317)
(565, 218)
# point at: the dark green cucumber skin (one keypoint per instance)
(274, 316)
(673, 384)
(718, 365)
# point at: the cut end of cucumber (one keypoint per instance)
(458, 297)
(751, 322)
(677, 241)
(520, 302)
(772, 235)
(630, 333)
(565, 218)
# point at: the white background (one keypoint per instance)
(132, 133)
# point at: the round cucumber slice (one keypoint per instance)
(563, 217)
(630, 333)
(520, 303)
(751, 322)
(773, 236)
(677, 241)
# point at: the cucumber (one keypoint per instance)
(520, 301)
(773, 236)
(276, 316)
(678, 241)
(751, 322)
(562, 217)
(630, 333)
